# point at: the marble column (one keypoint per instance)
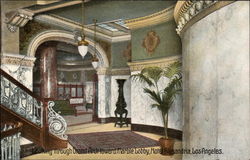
(216, 85)
(104, 93)
(48, 70)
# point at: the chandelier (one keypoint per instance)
(82, 44)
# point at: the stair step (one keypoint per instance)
(30, 149)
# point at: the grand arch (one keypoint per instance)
(64, 36)
(102, 71)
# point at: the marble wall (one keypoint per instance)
(12, 64)
(88, 91)
(104, 92)
(143, 113)
(216, 84)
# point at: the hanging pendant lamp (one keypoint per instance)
(82, 44)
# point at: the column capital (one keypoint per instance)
(189, 12)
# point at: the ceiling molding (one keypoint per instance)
(72, 25)
(153, 19)
(161, 62)
(56, 5)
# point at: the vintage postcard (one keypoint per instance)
(125, 80)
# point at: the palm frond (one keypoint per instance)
(141, 78)
(153, 95)
(173, 69)
(154, 73)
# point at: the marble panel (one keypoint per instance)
(23, 74)
(216, 84)
(143, 113)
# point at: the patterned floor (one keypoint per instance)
(140, 154)
(109, 141)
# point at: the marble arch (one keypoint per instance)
(68, 37)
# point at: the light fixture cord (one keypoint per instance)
(83, 18)
(95, 36)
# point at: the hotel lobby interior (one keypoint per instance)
(125, 79)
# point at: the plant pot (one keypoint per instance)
(167, 146)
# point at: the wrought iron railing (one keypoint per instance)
(25, 103)
(19, 101)
(57, 124)
(10, 140)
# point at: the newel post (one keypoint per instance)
(45, 127)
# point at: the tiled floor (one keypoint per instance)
(72, 119)
(94, 127)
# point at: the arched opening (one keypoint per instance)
(72, 81)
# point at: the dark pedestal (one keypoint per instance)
(120, 111)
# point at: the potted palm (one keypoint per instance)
(163, 99)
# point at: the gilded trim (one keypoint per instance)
(153, 19)
(17, 60)
(120, 71)
(162, 62)
(116, 71)
(187, 13)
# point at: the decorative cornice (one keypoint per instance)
(76, 69)
(21, 60)
(162, 62)
(189, 12)
(153, 19)
(115, 71)
(56, 5)
(75, 26)
(16, 19)
(120, 71)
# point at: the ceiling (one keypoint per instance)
(110, 14)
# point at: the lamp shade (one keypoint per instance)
(95, 64)
(83, 47)
(95, 61)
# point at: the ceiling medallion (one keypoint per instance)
(150, 42)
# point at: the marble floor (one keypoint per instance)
(95, 127)
(80, 119)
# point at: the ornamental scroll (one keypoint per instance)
(150, 42)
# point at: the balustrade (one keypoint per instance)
(10, 140)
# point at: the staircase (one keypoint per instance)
(40, 123)
(10, 140)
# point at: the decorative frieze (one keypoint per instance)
(19, 60)
(187, 11)
(162, 62)
(120, 71)
(116, 71)
(153, 19)
(16, 19)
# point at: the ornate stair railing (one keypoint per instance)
(10, 140)
(20, 101)
(39, 111)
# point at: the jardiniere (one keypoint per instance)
(167, 146)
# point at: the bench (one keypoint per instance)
(78, 104)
